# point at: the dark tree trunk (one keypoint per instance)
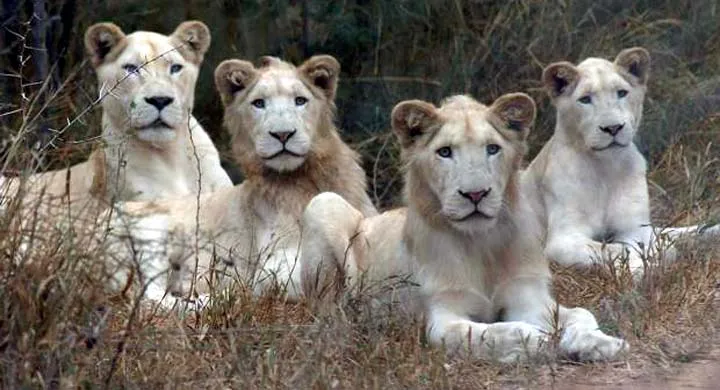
(41, 72)
(9, 44)
(305, 29)
(38, 40)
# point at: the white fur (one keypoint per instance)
(468, 273)
(280, 114)
(585, 192)
(156, 162)
(138, 162)
(142, 254)
(248, 234)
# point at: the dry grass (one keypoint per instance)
(59, 329)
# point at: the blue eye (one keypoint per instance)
(444, 152)
(258, 103)
(585, 99)
(300, 101)
(130, 68)
(493, 149)
(174, 68)
(622, 93)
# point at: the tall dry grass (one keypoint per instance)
(59, 328)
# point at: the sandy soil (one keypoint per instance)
(700, 374)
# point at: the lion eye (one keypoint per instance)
(174, 68)
(258, 103)
(445, 152)
(622, 93)
(585, 99)
(300, 101)
(493, 149)
(131, 68)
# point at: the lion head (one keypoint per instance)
(462, 157)
(277, 113)
(599, 103)
(147, 79)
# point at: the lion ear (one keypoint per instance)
(636, 62)
(233, 76)
(560, 78)
(517, 112)
(412, 119)
(323, 72)
(104, 41)
(193, 40)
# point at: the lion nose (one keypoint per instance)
(475, 196)
(612, 130)
(159, 102)
(282, 136)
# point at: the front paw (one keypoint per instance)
(592, 345)
(509, 342)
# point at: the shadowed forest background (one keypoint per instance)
(389, 51)
(60, 329)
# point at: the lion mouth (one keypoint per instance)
(156, 124)
(476, 214)
(611, 145)
(283, 152)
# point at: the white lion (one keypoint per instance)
(152, 145)
(281, 119)
(588, 183)
(466, 238)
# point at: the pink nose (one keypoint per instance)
(475, 196)
(282, 136)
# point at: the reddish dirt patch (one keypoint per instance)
(703, 373)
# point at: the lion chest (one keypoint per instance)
(265, 237)
(604, 200)
(463, 283)
(139, 173)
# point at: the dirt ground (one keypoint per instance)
(703, 373)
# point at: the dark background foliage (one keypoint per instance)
(59, 329)
(389, 50)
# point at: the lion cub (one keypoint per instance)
(588, 183)
(466, 237)
(281, 119)
(153, 146)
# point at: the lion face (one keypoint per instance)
(462, 156)
(151, 77)
(277, 108)
(601, 100)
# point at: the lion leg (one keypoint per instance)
(582, 340)
(578, 250)
(645, 247)
(280, 270)
(706, 231)
(139, 246)
(329, 227)
(505, 342)
(529, 300)
(650, 247)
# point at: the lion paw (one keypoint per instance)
(593, 346)
(509, 342)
